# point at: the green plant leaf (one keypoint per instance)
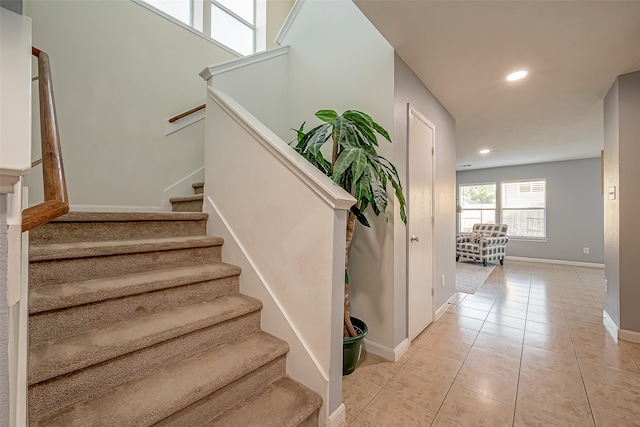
(381, 131)
(317, 139)
(358, 168)
(360, 216)
(378, 191)
(344, 161)
(327, 115)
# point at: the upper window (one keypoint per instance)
(229, 22)
(233, 24)
(477, 205)
(182, 10)
(523, 208)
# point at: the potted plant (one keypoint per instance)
(355, 166)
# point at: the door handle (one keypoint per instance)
(415, 238)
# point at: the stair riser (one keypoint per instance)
(66, 232)
(198, 189)
(43, 273)
(70, 321)
(191, 206)
(212, 406)
(312, 421)
(50, 396)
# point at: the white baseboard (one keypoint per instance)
(443, 308)
(632, 336)
(392, 354)
(555, 261)
(338, 417)
(115, 208)
(609, 324)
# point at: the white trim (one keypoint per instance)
(556, 261)
(632, 336)
(233, 64)
(289, 21)
(392, 354)
(401, 349)
(265, 283)
(185, 26)
(334, 195)
(337, 417)
(192, 118)
(9, 177)
(115, 208)
(443, 308)
(610, 324)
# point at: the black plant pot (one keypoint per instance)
(352, 347)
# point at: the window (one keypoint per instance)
(229, 22)
(523, 208)
(233, 24)
(182, 10)
(477, 203)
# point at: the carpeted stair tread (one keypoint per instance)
(192, 198)
(294, 403)
(54, 251)
(64, 355)
(198, 187)
(69, 294)
(130, 216)
(150, 399)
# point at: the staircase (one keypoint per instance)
(189, 203)
(135, 321)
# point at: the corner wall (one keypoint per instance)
(350, 66)
(574, 208)
(622, 151)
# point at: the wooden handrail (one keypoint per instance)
(56, 202)
(186, 113)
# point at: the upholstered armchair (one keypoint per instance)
(486, 242)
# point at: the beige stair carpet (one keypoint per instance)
(134, 320)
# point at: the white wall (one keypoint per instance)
(259, 83)
(574, 208)
(119, 71)
(409, 89)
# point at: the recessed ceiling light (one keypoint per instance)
(517, 75)
(485, 151)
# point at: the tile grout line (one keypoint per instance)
(467, 355)
(515, 403)
(584, 385)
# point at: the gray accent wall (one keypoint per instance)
(12, 5)
(574, 208)
(622, 241)
(410, 89)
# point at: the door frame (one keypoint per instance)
(417, 114)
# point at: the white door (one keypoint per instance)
(420, 149)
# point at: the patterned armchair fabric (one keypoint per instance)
(485, 243)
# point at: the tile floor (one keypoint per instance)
(527, 349)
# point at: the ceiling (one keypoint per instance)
(463, 51)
